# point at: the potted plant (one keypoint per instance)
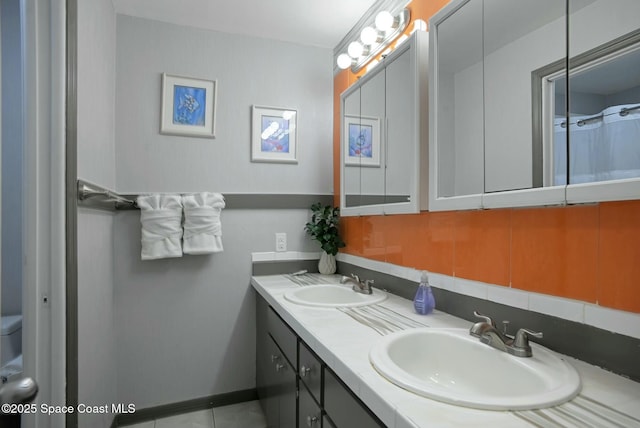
(323, 228)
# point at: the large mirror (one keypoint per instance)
(604, 93)
(458, 94)
(383, 136)
(519, 36)
(512, 130)
(364, 153)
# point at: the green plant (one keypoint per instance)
(323, 227)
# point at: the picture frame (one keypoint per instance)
(274, 134)
(362, 137)
(188, 106)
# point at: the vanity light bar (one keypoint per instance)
(358, 58)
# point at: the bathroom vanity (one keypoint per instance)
(287, 368)
(314, 370)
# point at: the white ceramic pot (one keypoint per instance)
(327, 264)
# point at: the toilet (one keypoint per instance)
(11, 345)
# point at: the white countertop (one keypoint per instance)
(344, 344)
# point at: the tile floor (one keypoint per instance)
(242, 415)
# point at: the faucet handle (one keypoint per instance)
(522, 337)
(521, 342)
(487, 319)
(505, 326)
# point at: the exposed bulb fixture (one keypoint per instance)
(370, 35)
(345, 61)
(374, 40)
(355, 50)
(385, 21)
(419, 25)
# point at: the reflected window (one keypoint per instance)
(600, 141)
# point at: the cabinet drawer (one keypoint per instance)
(309, 413)
(284, 337)
(310, 370)
(344, 408)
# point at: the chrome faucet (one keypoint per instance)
(359, 286)
(488, 333)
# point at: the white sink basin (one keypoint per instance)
(333, 295)
(451, 366)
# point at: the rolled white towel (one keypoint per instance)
(161, 219)
(202, 227)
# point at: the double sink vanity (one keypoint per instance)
(329, 356)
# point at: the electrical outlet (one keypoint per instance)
(281, 242)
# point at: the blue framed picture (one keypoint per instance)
(360, 140)
(188, 106)
(273, 134)
(362, 136)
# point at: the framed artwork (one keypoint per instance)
(362, 146)
(273, 135)
(188, 106)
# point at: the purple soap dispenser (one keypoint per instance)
(424, 302)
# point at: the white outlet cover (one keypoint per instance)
(281, 242)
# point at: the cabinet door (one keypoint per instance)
(372, 161)
(402, 127)
(267, 380)
(264, 350)
(350, 179)
(284, 337)
(287, 393)
(310, 370)
(344, 408)
(275, 377)
(309, 413)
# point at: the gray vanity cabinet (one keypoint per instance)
(343, 407)
(276, 361)
(295, 387)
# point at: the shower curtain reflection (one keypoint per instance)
(602, 147)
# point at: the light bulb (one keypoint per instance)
(369, 35)
(384, 21)
(344, 61)
(419, 25)
(355, 50)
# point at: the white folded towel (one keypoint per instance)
(202, 228)
(161, 218)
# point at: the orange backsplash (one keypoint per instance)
(589, 253)
(585, 252)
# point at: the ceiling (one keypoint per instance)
(321, 23)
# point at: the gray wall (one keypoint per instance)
(249, 71)
(97, 376)
(12, 158)
(186, 327)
